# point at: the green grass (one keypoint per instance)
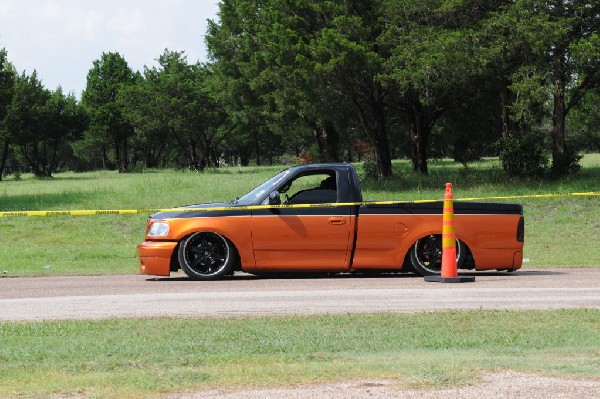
(144, 357)
(559, 231)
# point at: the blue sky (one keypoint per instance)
(61, 38)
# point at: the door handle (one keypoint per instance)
(336, 220)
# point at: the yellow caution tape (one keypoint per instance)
(256, 207)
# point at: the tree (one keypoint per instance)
(143, 108)
(301, 103)
(311, 61)
(574, 57)
(41, 122)
(584, 122)
(7, 78)
(108, 76)
(26, 119)
(346, 57)
(433, 63)
(195, 119)
(505, 53)
(66, 121)
(233, 45)
(564, 39)
(173, 103)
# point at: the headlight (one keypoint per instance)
(158, 229)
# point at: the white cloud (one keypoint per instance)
(61, 38)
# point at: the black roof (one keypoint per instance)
(315, 166)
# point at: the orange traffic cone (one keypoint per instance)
(449, 266)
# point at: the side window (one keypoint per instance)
(311, 189)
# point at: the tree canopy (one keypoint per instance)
(342, 80)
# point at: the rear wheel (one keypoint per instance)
(426, 255)
(206, 256)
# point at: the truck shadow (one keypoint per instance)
(303, 276)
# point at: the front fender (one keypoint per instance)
(236, 229)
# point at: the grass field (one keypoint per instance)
(559, 231)
(141, 358)
(147, 357)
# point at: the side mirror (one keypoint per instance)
(274, 198)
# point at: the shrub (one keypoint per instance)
(369, 169)
(524, 155)
(566, 163)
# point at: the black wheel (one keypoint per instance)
(206, 256)
(426, 255)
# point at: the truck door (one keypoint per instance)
(315, 237)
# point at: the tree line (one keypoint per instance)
(340, 80)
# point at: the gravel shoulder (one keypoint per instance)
(498, 385)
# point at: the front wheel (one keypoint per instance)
(426, 255)
(206, 256)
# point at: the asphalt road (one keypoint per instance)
(59, 298)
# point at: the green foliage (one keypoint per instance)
(172, 108)
(419, 79)
(369, 170)
(583, 123)
(108, 76)
(524, 155)
(41, 123)
(7, 80)
(7, 77)
(564, 64)
(566, 162)
(311, 66)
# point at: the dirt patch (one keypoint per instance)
(496, 385)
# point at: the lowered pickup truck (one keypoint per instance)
(312, 218)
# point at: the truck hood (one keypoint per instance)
(182, 211)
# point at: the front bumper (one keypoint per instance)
(155, 257)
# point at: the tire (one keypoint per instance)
(426, 255)
(206, 256)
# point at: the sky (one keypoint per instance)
(60, 39)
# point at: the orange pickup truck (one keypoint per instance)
(312, 218)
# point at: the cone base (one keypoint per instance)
(459, 279)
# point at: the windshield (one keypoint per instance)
(255, 196)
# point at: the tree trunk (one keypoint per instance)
(508, 126)
(319, 133)
(332, 139)
(327, 139)
(32, 160)
(511, 129)
(381, 141)
(382, 153)
(419, 136)
(559, 162)
(193, 156)
(53, 165)
(244, 155)
(257, 150)
(118, 155)
(124, 157)
(105, 161)
(377, 133)
(3, 158)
